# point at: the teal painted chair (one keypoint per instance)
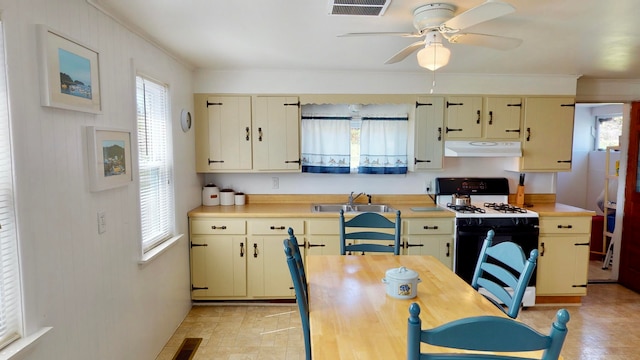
(369, 222)
(484, 333)
(504, 265)
(296, 268)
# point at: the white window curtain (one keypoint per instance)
(383, 145)
(10, 292)
(155, 163)
(326, 144)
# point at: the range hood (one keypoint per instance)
(482, 149)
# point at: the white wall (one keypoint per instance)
(89, 287)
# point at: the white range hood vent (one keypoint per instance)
(482, 149)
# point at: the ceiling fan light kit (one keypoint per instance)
(434, 55)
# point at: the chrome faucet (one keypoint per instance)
(352, 198)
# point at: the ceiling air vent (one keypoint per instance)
(358, 7)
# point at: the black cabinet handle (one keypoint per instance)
(565, 226)
(277, 227)
(241, 249)
(439, 134)
(223, 227)
(194, 245)
(259, 134)
(542, 252)
(198, 288)
(247, 133)
(255, 250)
(478, 120)
(447, 129)
(448, 249)
(490, 117)
(214, 161)
(427, 227)
(415, 161)
(528, 134)
(313, 245)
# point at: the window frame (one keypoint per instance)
(163, 232)
(599, 119)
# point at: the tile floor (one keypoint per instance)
(605, 326)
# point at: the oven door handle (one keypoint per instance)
(512, 233)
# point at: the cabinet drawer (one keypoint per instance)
(324, 227)
(218, 227)
(428, 226)
(276, 226)
(565, 225)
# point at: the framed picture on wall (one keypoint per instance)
(69, 72)
(109, 154)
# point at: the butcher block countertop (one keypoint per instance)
(411, 206)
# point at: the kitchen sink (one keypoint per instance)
(380, 208)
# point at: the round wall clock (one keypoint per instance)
(185, 120)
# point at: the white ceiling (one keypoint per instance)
(592, 38)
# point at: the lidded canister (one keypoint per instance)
(210, 195)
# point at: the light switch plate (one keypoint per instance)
(102, 222)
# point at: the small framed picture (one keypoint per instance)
(69, 72)
(110, 163)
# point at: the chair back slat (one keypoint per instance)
(485, 333)
(367, 223)
(504, 265)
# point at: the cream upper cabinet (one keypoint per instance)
(548, 134)
(502, 117)
(463, 117)
(247, 134)
(276, 140)
(563, 260)
(223, 133)
(429, 133)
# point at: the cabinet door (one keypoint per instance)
(502, 117)
(463, 117)
(440, 246)
(563, 265)
(276, 127)
(429, 133)
(548, 134)
(268, 273)
(218, 266)
(228, 133)
(324, 237)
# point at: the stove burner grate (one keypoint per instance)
(466, 209)
(505, 208)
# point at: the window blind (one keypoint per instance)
(10, 293)
(154, 163)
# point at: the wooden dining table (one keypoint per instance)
(352, 317)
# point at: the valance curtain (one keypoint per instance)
(326, 144)
(383, 145)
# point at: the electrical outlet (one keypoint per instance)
(428, 186)
(102, 222)
(275, 182)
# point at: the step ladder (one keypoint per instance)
(608, 258)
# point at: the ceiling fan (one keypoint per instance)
(436, 22)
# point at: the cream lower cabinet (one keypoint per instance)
(218, 259)
(267, 271)
(234, 259)
(429, 236)
(563, 260)
(323, 237)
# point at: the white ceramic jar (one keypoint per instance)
(227, 197)
(210, 195)
(402, 283)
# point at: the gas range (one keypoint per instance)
(486, 207)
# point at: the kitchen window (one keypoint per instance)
(155, 163)
(10, 288)
(608, 130)
(336, 138)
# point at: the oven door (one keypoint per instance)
(469, 240)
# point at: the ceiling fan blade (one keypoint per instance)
(402, 54)
(481, 13)
(403, 34)
(490, 41)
